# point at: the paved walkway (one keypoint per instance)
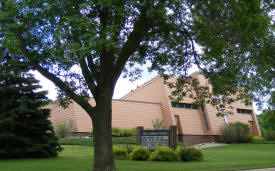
(266, 169)
(206, 145)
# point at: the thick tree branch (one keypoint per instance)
(88, 76)
(92, 67)
(106, 57)
(141, 28)
(57, 81)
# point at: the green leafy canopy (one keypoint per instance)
(101, 37)
(83, 46)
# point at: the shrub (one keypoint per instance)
(129, 148)
(120, 153)
(91, 133)
(127, 132)
(257, 139)
(139, 153)
(190, 154)
(119, 132)
(180, 144)
(134, 131)
(159, 124)
(63, 128)
(164, 154)
(269, 135)
(116, 132)
(236, 133)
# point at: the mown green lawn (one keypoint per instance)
(231, 157)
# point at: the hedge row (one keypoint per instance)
(121, 132)
(160, 154)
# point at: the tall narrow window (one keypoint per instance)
(204, 118)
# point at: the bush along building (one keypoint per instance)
(150, 102)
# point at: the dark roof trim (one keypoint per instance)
(131, 101)
(135, 101)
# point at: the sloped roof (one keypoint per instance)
(141, 87)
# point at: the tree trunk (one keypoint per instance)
(102, 134)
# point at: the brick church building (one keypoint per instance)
(150, 102)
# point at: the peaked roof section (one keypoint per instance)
(141, 87)
(148, 83)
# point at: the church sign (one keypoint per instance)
(152, 138)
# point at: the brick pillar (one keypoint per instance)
(173, 137)
(139, 129)
(256, 129)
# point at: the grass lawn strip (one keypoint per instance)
(89, 141)
(231, 157)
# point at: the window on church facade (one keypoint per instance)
(244, 111)
(184, 105)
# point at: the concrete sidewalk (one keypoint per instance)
(266, 169)
(207, 145)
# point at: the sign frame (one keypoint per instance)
(171, 133)
(155, 133)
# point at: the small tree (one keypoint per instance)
(63, 128)
(159, 124)
(267, 120)
(25, 130)
(267, 123)
(237, 132)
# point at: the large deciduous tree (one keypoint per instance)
(83, 47)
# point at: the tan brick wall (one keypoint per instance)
(126, 114)
(83, 120)
(133, 114)
(59, 114)
(216, 122)
(190, 120)
(153, 91)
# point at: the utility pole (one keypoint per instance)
(222, 108)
